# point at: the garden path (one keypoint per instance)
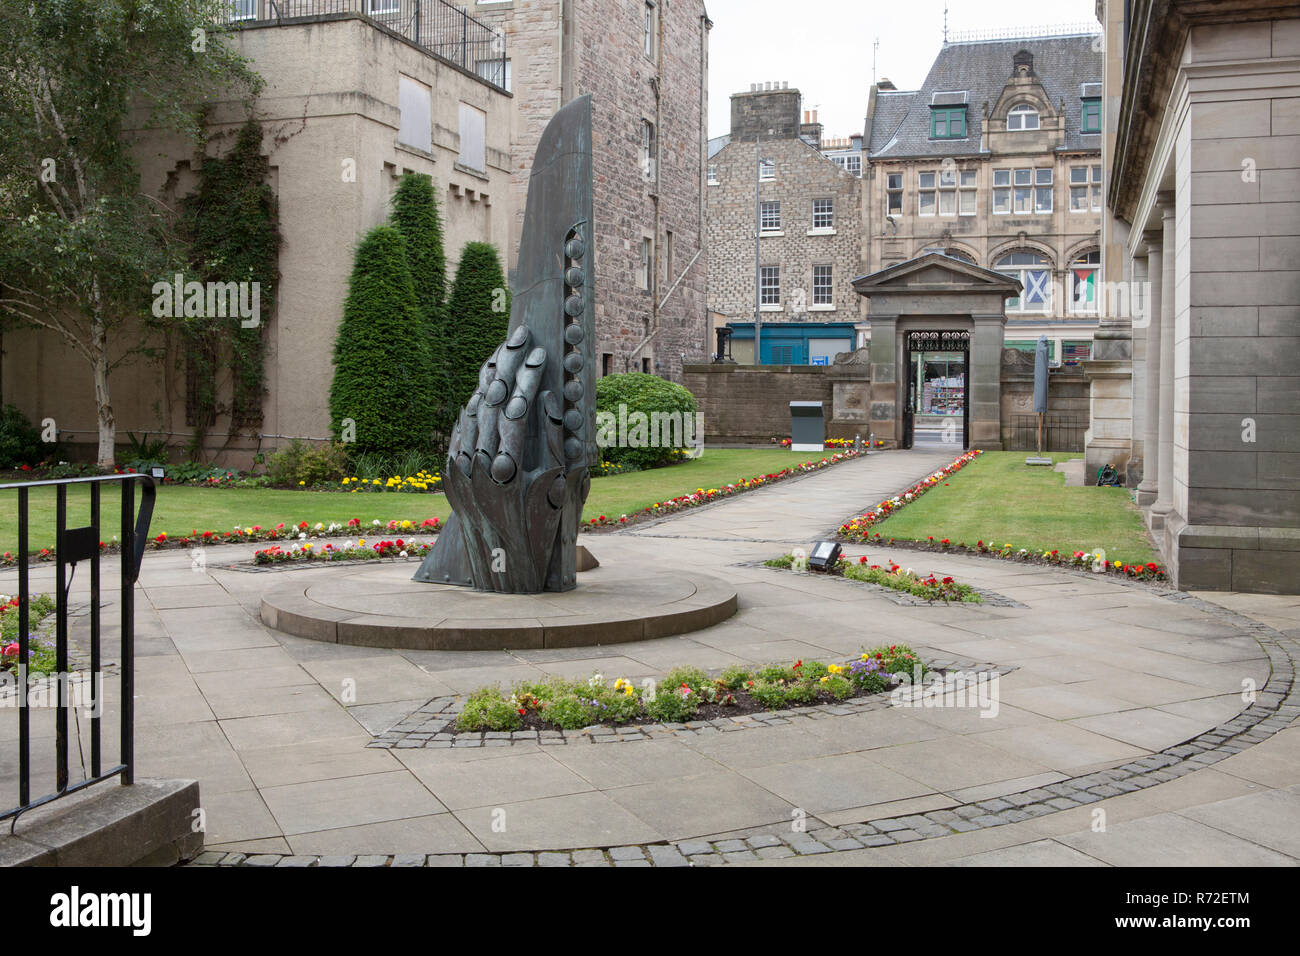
(1107, 675)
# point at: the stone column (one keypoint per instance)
(984, 390)
(1164, 502)
(884, 418)
(1147, 489)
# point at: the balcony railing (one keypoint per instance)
(442, 28)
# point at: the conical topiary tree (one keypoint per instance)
(478, 313)
(380, 358)
(415, 214)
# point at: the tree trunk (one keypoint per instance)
(103, 404)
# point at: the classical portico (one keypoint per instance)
(938, 294)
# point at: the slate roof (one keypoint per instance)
(901, 124)
(717, 143)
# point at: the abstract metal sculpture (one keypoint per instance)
(517, 470)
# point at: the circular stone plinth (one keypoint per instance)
(383, 607)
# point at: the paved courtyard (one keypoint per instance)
(1112, 698)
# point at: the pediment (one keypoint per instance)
(936, 272)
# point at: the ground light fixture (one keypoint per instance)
(825, 555)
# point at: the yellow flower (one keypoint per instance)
(302, 482)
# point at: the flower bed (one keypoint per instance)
(859, 529)
(284, 531)
(309, 551)
(686, 693)
(40, 651)
(930, 587)
(702, 496)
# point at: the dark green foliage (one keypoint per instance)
(379, 356)
(478, 314)
(415, 215)
(643, 395)
(233, 224)
(20, 441)
(307, 465)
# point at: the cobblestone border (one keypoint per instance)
(1275, 706)
(432, 726)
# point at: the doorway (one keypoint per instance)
(936, 363)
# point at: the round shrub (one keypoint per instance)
(643, 421)
(20, 442)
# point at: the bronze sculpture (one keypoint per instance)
(517, 469)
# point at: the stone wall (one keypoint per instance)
(559, 51)
(1067, 398)
(751, 403)
(802, 175)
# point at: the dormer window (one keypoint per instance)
(1022, 117)
(948, 122)
(1090, 118)
(948, 115)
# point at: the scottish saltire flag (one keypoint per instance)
(1038, 289)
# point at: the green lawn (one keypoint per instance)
(181, 509)
(1000, 500)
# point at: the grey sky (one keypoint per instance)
(823, 47)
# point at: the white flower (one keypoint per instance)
(302, 536)
(348, 543)
(401, 554)
(375, 522)
(320, 526)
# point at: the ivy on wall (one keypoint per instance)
(232, 222)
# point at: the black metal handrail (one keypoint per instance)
(442, 28)
(71, 546)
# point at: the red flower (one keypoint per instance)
(798, 664)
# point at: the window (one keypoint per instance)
(854, 165)
(1083, 283)
(645, 365)
(939, 191)
(769, 216)
(823, 213)
(926, 198)
(244, 9)
(473, 137)
(967, 193)
(769, 285)
(822, 294)
(1024, 191)
(1035, 274)
(1090, 119)
(651, 28)
(416, 124)
(376, 7)
(1043, 190)
(713, 174)
(496, 71)
(646, 269)
(1072, 353)
(647, 149)
(668, 254)
(947, 122)
(894, 194)
(1022, 117)
(1085, 189)
(766, 170)
(606, 363)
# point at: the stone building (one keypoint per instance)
(807, 210)
(996, 160)
(645, 64)
(1204, 167)
(351, 103)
